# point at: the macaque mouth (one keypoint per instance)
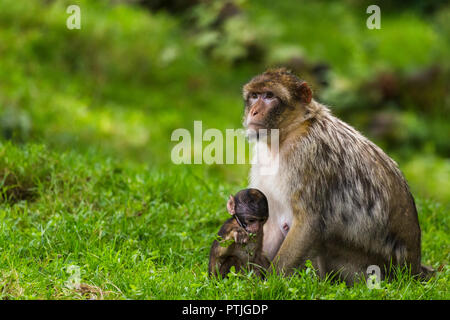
(256, 124)
(256, 129)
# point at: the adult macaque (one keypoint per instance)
(337, 199)
(241, 236)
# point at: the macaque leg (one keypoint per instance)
(296, 248)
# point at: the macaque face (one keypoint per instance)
(272, 99)
(262, 110)
(250, 209)
(251, 223)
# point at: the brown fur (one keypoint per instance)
(244, 254)
(237, 246)
(345, 201)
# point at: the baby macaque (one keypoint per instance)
(241, 236)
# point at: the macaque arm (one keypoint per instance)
(220, 251)
(215, 259)
(235, 235)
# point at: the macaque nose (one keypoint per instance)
(255, 110)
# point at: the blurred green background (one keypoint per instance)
(137, 70)
(86, 118)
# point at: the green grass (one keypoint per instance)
(140, 233)
(86, 178)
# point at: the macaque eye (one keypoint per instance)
(253, 95)
(269, 95)
(251, 221)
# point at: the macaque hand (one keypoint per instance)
(240, 236)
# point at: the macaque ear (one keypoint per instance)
(231, 205)
(305, 93)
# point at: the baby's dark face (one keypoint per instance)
(252, 222)
(251, 209)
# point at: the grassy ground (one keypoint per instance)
(141, 233)
(86, 178)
